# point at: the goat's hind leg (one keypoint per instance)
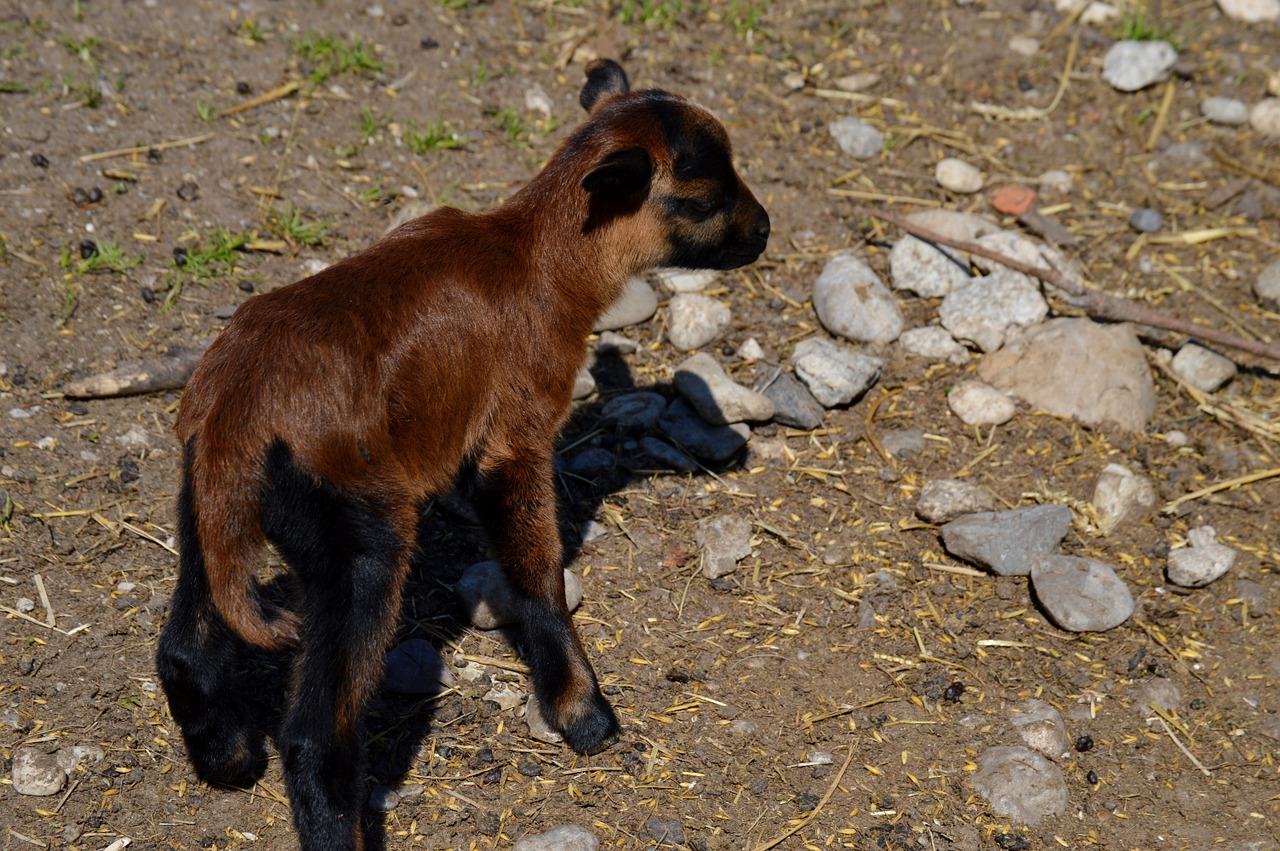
(196, 661)
(351, 558)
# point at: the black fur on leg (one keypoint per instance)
(196, 658)
(350, 563)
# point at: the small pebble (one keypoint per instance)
(1056, 181)
(1084, 743)
(1265, 117)
(25, 605)
(188, 191)
(1013, 200)
(978, 403)
(1222, 110)
(39, 161)
(1133, 65)
(958, 176)
(857, 138)
(1146, 220)
(1024, 45)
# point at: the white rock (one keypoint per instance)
(957, 175)
(1227, 111)
(1251, 11)
(1202, 368)
(1267, 287)
(135, 438)
(1057, 181)
(851, 301)
(751, 350)
(833, 374)
(856, 138)
(1120, 494)
(536, 99)
(584, 384)
(717, 398)
(856, 82)
(1133, 65)
(1019, 247)
(1265, 117)
(1024, 45)
(935, 343)
(687, 280)
(966, 227)
(1042, 728)
(1202, 562)
(637, 303)
(928, 270)
(36, 773)
(943, 500)
(723, 540)
(1080, 594)
(1021, 784)
(992, 308)
(978, 403)
(693, 320)
(506, 695)
(566, 837)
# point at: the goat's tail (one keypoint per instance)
(220, 534)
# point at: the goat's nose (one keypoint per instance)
(762, 226)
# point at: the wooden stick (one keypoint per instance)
(170, 371)
(1097, 304)
(765, 846)
(142, 149)
(266, 97)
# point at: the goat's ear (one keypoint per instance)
(623, 172)
(604, 79)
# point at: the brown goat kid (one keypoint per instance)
(329, 410)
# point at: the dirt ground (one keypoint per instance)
(728, 690)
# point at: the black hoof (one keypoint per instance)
(592, 731)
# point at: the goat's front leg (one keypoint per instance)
(518, 505)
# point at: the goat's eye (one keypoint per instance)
(697, 206)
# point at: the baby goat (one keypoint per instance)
(329, 410)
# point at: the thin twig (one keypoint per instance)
(1181, 746)
(1247, 479)
(266, 97)
(142, 149)
(44, 600)
(1097, 304)
(765, 846)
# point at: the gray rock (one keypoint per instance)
(1133, 65)
(539, 727)
(935, 343)
(834, 375)
(1056, 182)
(1265, 117)
(1041, 728)
(25, 605)
(717, 398)
(1254, 596)
(1077, 368)
(484, 591)
(978, 403)
(793, 404)
(928, 270)
(638, 410)
(1202, 368)
(1146, 220)
(594, 530)
(584, 384)
(383, 799)
(751, 350)
(1228, 111)
(991, 308)
(1119, 495)
(851, 301)
(69, 758)
(665, 832)
(1157, 692)
(856, 138)
(506, 695)
(1251, 11)
(1021, 784)
(667, 455)
(693, 320)
(1080, 594)
(724, 540)
(637, 303)
(689, 432)
(1007, 541)
(1203, 561)
(566, 837)
(903, 442)
(415, 667)
(1267, 287)
(36, 773)
(943, 500)
(958, 176)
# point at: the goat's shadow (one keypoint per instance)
(597, 457)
